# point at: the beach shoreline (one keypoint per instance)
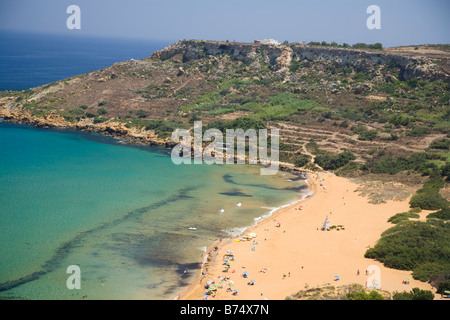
(290, 252)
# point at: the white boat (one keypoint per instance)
(192, 228)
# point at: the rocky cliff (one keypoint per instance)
(280, 56)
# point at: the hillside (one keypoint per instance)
(376, 104)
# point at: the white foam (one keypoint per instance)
(235, 232)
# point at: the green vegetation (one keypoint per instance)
(100, 119)
(404, 216)
(443, 286)
(414, 294)
(359, 45)
(368, 135)
(419, 131)
(443, 214)
(231, 96)
(301, 161)
(142, 114)
(428, 197)
(162, 128)
(102, 111)
(295, 65)
(333, 162)
(77, 111)
(243, 123)
(428, 200)
(363, 295)
(440, 144)
(420, 162)
(410, 244)
(419, 246)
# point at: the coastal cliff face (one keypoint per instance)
(280, 56)
(111, 128)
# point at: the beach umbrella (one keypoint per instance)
(246, 272)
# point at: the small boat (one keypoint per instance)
(192, 228)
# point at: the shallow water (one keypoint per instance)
(121, 213)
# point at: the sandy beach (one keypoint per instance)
(290, 251)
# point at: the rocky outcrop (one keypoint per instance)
(111, 128)
(280, 56)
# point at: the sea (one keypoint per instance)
(133, 223)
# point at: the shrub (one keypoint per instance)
(445, 170)
(443, 286)
(77, 111)
(329, 162)
(142, 114)
(162, 127)
(101, 103)
(424, 271)
(294, 66)
(344, 124)
(102, 111)
(363, 295)
(414, 294)
(402, 217)
(419, 131)
(99, 119)
(368, 135)
(428, 200)
(440, 144)
(418, 162)
(243, 123)
(443, 214)
(301, 161)
(410, 244)
(399, 120)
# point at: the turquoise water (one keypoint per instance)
(120, 213)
